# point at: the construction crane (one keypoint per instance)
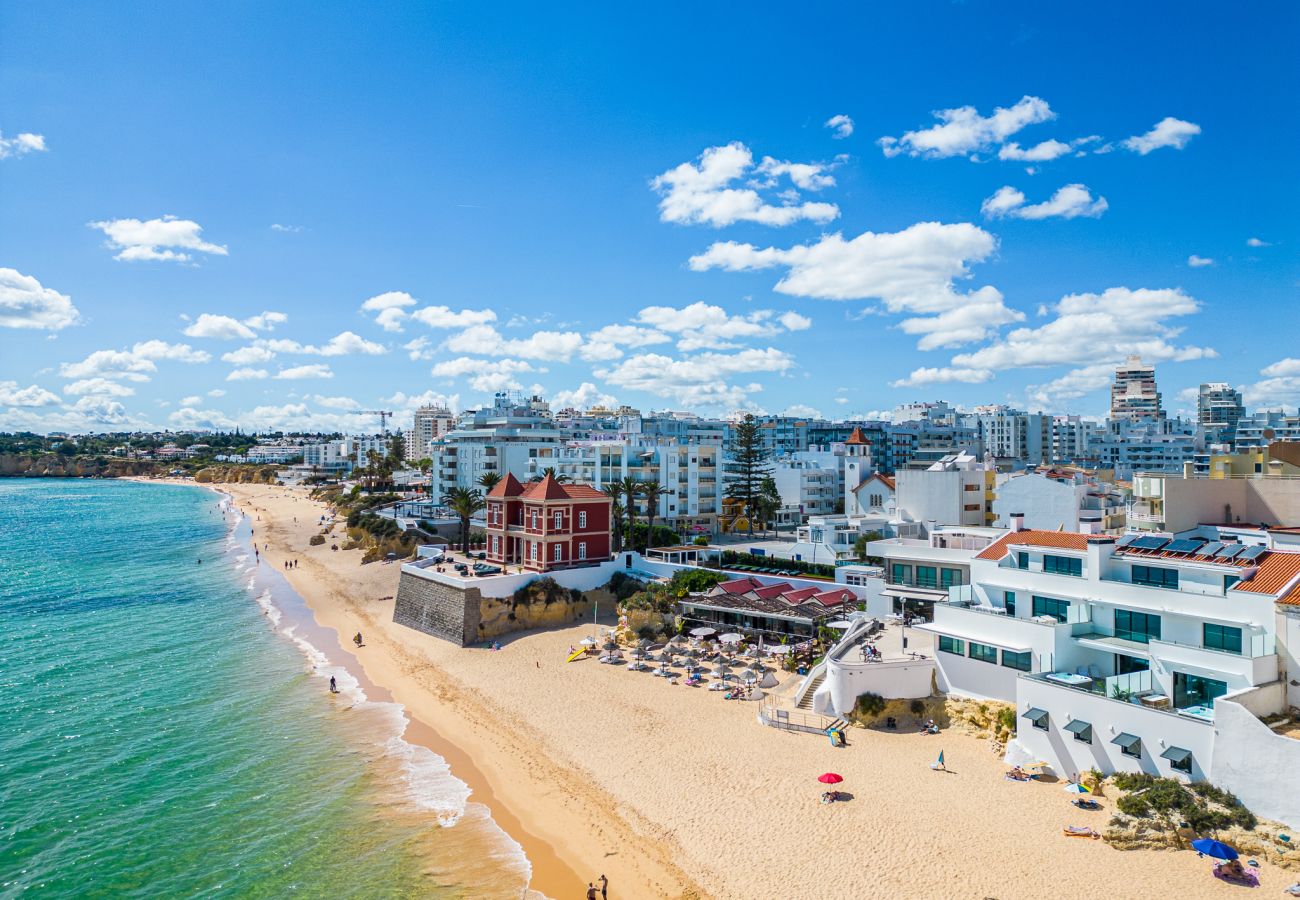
(383, 417)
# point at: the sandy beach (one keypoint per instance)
(672, 791)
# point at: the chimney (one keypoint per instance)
(1017, 522)
(1188, 469)
(1101, 547)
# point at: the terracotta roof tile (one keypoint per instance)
(550, 489)
(1293, 598)
(1061, 540)
(855, 437)
(1275, 573)
(507, 487)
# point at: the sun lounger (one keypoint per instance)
(1073, 831)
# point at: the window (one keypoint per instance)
(1125, 665)
(1229, 581)
(1063, 565)
(557, 552)
(1019, 661)
(949, 577)
(1195, 690)
(1129, 744)
(1222, 637)
(1022, 560)
(971, 487)
(925, 576)
(1082, 731)
(582, 519)
(1048, 606)
(1136, 626)
(582, 549)
(559, 521)
(1009, 601)
(984, 653)
(532, 549)
(1153, 576)
(952, 645)
(496, 545)
(972, 507)
(534, 520)
(900, 573)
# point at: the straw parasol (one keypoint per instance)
(703, 632)
(731, 638)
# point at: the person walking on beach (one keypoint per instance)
(604, 887)
(357, 640)
(591, 891)
(334, 685)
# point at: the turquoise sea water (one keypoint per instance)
(165, 730)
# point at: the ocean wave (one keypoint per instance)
(264, 600)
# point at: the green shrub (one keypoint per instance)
(701, 541)
(693, 581)
(623, 585)
(1202, 807)
(869, 705)
(1007, 719)
(317, 540)
(819, 570)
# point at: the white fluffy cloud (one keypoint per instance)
(403, 402)
(313, 370)
(1091, 331)
(585, 396)
(1069, 202)
(392, 311)
(842, 125)
(24, 143)
(218, 327)
(192, 400)
(485, 340)
(701, 326)
(26, 303)
(266, 321)
(247, 373)
(700, 380)
(1256, 242)
(335, 402)
(342, 344)
(31, 396)
(802, 409)
(1168, 132)
(608, 342)
(98, 387)
(247, 355)
(484, 374)
(136, 364)
(964, 132)
(910, 271)
(705, 192)
(1199, 262)
(166, 239)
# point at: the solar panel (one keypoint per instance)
(1149, 543)
(1182, 546)
(1211, 548)
(1125, 541)
(1252, 553)
(1229, 551)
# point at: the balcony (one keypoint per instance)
(1132, 689)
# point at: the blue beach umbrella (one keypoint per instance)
(1217, 849)
(1076, 788)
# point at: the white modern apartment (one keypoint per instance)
(1139, 653)
(691, 474)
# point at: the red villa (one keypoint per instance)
(546, 525)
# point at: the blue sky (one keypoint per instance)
(270, 216)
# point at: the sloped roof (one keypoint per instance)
(550, 489)
(507, 487)
(1276, 571)
(835, 597)
(855, 437)
(738, 585)
(1061, 540)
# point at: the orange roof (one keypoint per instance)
(507, 487)
(1061, 540)
(855, 437)
(886, 479)
(550, 489)
(1275, 573)
(1291, 599)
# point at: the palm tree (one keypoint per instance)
(630, 488)
(550, 470)
(615, 492)
(488, 480)
(464, 503)
(651, 491)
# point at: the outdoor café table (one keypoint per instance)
(1069, 678)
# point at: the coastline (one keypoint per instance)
(664, 789)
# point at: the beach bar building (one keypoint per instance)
(547, 525)
(774, 610)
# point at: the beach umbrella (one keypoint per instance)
(644, 644)
(588, 642)
(1076, 789)
(731, 638)
(830, 778)
(609, 645)
(1217, 849)
(703, 632)
(779, 649)
(840, 624)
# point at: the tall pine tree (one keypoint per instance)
(747, 464)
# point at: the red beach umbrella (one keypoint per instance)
(830, 778)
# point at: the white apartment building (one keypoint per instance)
(428, 424)
(920, 567)
(501, 438)
(1129, 446)
(1071, 438)
(691, 473)
(1173, 503)
(272, 453)
(326, 456)
(1059, 500)
(1130, 654)
(1012, 433)
(1133, 394)
(1218, 409)
(956, 490)
(810, 481)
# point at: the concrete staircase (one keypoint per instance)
(806, 701)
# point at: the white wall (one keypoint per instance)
(1047, 504)
(1256, 764)
(894, 680)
